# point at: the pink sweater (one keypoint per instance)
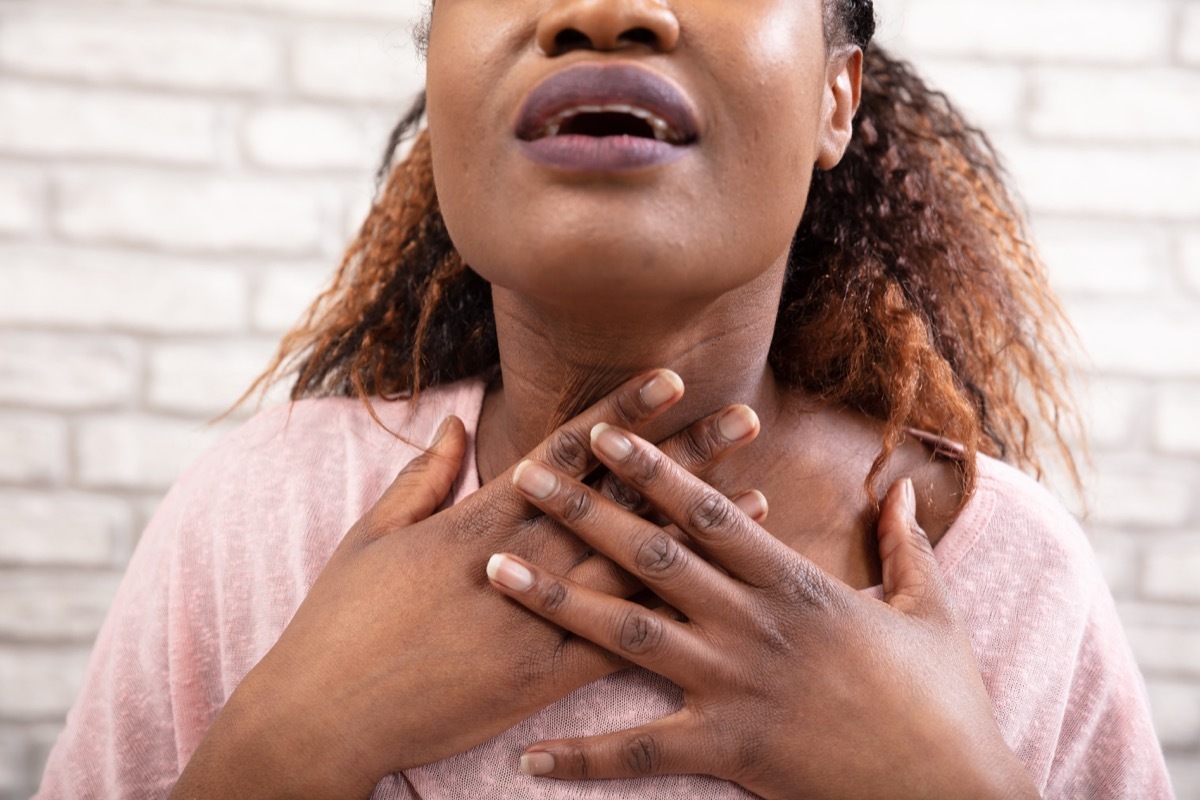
(242, 536)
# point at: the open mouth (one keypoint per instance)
(613, 119)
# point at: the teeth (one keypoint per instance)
(660, 127)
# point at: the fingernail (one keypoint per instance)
(440, 433)
(661, 389)
(737, 423)
(753, 504)
(909, 496)
(537, 763)
(610, 443)
(535, 480)
(509, 573)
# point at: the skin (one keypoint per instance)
(385, 709)
(597, 278)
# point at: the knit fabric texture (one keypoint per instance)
(240, 539)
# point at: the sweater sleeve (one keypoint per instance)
(218, 573)
(120, 737)
(1107, 747)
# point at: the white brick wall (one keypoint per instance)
(177, 181)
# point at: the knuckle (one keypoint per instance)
(658, 555)
(552, 595)
(710, 514)
(642, 755)
(803, 584)
(645, 467)
(697, 448)
(569, 451)
(620, 493)
(628, 408)
(576, 506)
(573, 761)
(640, 633)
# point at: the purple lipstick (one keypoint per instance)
(606, 119)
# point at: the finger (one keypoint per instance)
(651, 555)
(669, 746)
(568, 448)
(713, 523)
(423, 484)
(628, 630)
(635, 402)
(604, 575)
(696, 448)
(912, 580)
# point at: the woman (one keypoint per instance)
(792, 223)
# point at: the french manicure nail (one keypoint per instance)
(537, 763)
(535, 480)
(662, 388)
(753, 504)
(507, 572)
(610, 443)
(909, 495)
(737, 423)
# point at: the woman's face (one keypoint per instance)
(644, 151)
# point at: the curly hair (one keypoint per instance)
(912, 291)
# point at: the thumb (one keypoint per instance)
(424, 482)
(912, 582)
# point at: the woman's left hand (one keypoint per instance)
(795, 685)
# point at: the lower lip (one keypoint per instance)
(601, 153)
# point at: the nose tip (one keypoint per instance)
(607, 25)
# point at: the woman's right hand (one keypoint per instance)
(401, 654)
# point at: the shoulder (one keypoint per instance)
(1015, 530)
(273, 498)
(313, 444)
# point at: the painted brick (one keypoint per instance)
(204, 378)
(1171, 650)
(132, 47)
(1171, 569)
(373, 65)
(1127, 495)
(1184, 770)
(1189, 52)
(402, 11)
(53, 371)
(1189, 254)
(22, 201)
(42, 737)
(13, 755)
(1153, 105)
(52, 121)
(191, 214)
(1117, 31)
(285, 292)
(1177, 419)
(138, 451)
(33, 448)
(1176, 709)
(1093, 258)
(94, 289)
(1147, 183)
(40, 683)
(1117, 554)
(1149, 341)
(60, 528)
(307, 137)
(1112, 410)
(54, 607)
(989, 95)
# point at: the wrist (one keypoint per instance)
(256, 748)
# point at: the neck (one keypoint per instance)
(555, 362)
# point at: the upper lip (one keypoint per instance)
(619, 88)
